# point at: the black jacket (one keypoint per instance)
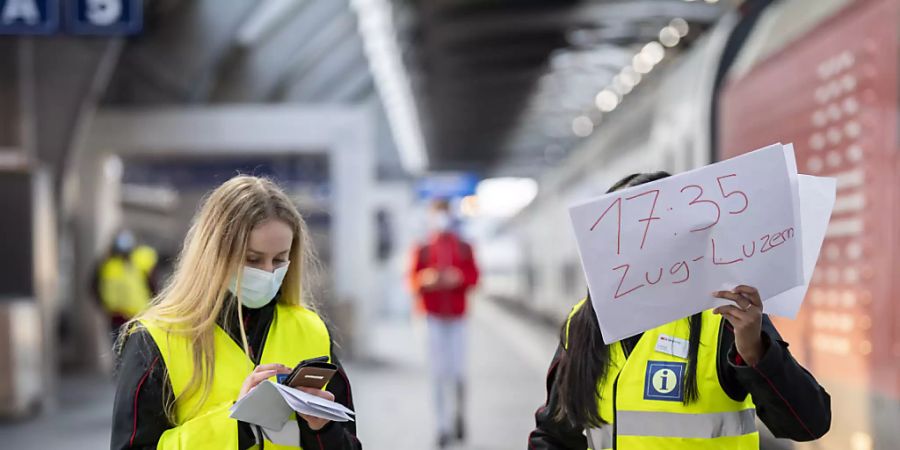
(138, 415)
(788, 399)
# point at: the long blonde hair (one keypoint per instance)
(214, 252)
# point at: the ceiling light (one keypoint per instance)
(669, 37)
(380, 44)
(640, 64)
(621, 85)
(680, 25)
(503, 197)
(582, 126)
(606, 100)
(654, 51)
(712, 1)
(630, 76)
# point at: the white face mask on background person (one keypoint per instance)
(258, 287)
(124, 242)
(440, 222)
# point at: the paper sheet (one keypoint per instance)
(312, 405)
(286, 436)
(654, 253)
(270, 405)
(263, 406)
(817, 196)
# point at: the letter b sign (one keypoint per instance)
(103, 12)
(104, 17)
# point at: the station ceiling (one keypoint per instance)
(501, 81)
(213, 51)
(496, 83)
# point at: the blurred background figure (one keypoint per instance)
(443, 271)
(126, 279)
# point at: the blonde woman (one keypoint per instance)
(230, 318)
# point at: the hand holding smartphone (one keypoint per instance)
(311, 373)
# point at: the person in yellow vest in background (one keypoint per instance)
(234, 314)
(698, 383)
(126, 279)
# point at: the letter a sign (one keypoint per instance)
(29, 17)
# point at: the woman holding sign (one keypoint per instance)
(230, 318)
(696, 383)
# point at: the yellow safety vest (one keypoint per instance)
(641, 397)
(296, 334)
(124, 287)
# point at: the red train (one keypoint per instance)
(833, 93)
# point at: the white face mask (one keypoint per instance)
(440, 222)
(258, 287)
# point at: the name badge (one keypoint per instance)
(672, 346)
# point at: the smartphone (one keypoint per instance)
(312, 373)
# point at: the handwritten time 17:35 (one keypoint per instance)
(680, 271)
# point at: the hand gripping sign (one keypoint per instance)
(655, 253)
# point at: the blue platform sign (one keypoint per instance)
(29, 17)
(104, 17)
(447, 185)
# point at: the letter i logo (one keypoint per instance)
(663, 381)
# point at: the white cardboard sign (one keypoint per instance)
(655, 253)
(817, 195)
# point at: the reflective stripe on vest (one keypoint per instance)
(711, 425)
(295, 334)
(649, 411)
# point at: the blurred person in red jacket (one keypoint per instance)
(443, 271)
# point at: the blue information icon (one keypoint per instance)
(104, 17)
(29, 17)
(663, 381)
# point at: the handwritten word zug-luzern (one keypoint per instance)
(740, 203)
(680, 271)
